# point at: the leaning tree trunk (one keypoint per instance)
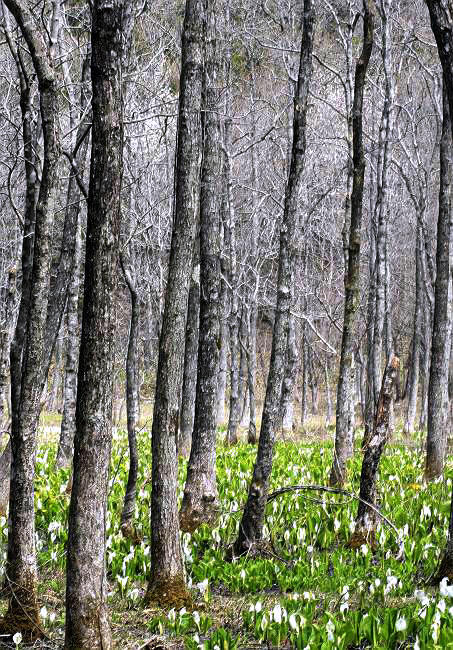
(200, 504)
(189, 383)
(344, 428)
(87, 622)
(167, 581)
(441, 338)
(132, 407)
(28, 353)
(250, 529)
(367, 517)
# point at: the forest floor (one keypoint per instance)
(304, 589)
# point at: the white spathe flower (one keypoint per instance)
(202, 586)
(416, 644)
(364, 549)
(330, 627)
(400, 624)
(52, 617)
(258, 606)
(445, 589)
(277, 613)
(43, 613)
(441, 605)
(17, 638)
(344, 607)
(196, 617)
(294, 625)
(336, 525)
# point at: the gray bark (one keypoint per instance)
(87, 621)
(199, 503)
(442, 321)
(189, 383)
(344, 411)
(167, 580)
(250, 529)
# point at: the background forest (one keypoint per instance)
(226, 355)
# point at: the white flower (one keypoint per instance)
(364, 549)
(258, 606)
(17, 638)
(309, 548)
(445, 589)
(52, 617)
(330, 627)
(344, 607)
(441, 605)
(196, 618)
(336, 525)
(377, 582)
(277, 613)
(202, 586)
(242, 574)
(182, 611)
(293, 622)
(43, 613)
(400, 624)
(416, 644)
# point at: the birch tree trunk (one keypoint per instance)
(442, 325)
(200, 503)
(167, 582)
(344, 428)
(250, 529)
(87, 621)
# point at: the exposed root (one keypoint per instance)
(445, 571)
(363, 537)
(168, 593)
(129, 532)
(196, 511)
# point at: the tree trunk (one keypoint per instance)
(54, 401)
(344, 427)
(200, 504)
(367, 517)
(223, 362)
(28, 351)
(305, 372)
(287, 406)
(189, 384)
(414, 372)
(250, 529)
(132, 406)
(87, 621)
(167, 582)
(441, 338)
(5, 336)
(68, 423)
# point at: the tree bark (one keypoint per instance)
(344, 428)
(5, 336)
(28, 351)
(366, 520)
(189, 384)
(250, 529)
(442, 325)
(200, 503)
(87, 623)
(167, 582)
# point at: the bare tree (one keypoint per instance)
(250, 529)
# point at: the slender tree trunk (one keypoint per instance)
(223, 362)
(87, 621)
(5, 337)
(189, 384)
(200, 503)
(305, 372)
(414, 372)
(167, 581)
(132, 406)
(442, 322)
(344, 427)
(287, 405)
(366, 520)
(68, 423)
(54, 401)
(329, 408)
(28, 355)
(250, 529)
